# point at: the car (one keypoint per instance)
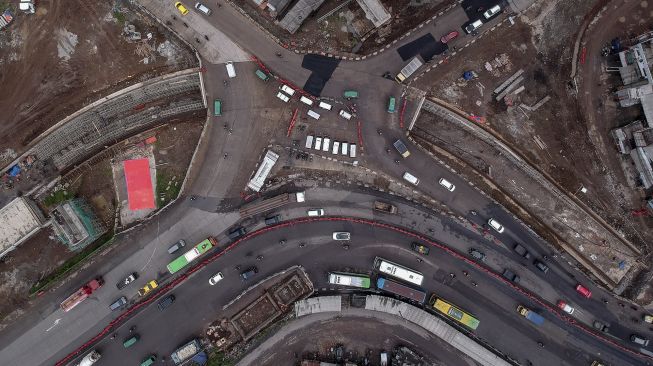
(447, 185)
(511, 276)
(648, 318)
(344, 114)
(495, 225)
(272, 220)
(597, 363)
(315, 212)
(449, 36)
(182, 9)
(565, 307)
(203, 9)
(118, 304)
(127, 280)
(519, 249)
(541, 266)
(492, 12)
(283, 97)
(176, 246)
(472, 27)
(215, 278)
(165, 302)
(583, 291)
(601, 326)
(639, 340)
(341, 235)
(237, 233)
(288, 90)
(148, 288)
(477, 254)
(248, 273)
(420, 248)
(411, 178)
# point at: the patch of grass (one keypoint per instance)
(72, 263)
(57, 197)
(219, 359)
(120, 17)
(166, 189)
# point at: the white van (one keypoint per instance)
(326, 106)
(288, 90)
(352, 150)
(231, 70)
(309, 141)
(325, 144)
(283, 97)
(411, 178)
(336, 148)
(473, 26)
(344, 114)
(318, 143)
(344, 148)
(313, 114)
(305, 100)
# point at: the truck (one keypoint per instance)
(409, 69)
(80, 295)
(401, 148)
(385, 207)
(5, 18)
(270, 204)
(90, 358)
(186, 352)
(534, 317)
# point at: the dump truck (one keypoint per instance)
(270, 204)
(534, 317)
(80, 295)
(186, 352)
(385, 207)
(90, 358)
(5, 18)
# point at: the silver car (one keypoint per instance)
(203, 9)
(341, 235)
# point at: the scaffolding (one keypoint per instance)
(76, 225)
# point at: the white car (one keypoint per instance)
(446, 184)
(341, 235)
(344, 114)
(283, 97)
(216, 278)
(288, 90)
(473, 26)
(495, 225)
(411, 178)
(492, 12)
(565, 307)
(202, 8)
(315, 212)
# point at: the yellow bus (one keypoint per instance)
(453, 312)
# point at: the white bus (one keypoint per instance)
(349, 279)
(398, 271)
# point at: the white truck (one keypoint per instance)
(90, 358)
(409, 69)
(186, 352)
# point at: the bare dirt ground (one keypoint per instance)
(57, 60)
(556, 136)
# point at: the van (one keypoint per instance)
(391, 105)
(336, 148)
(305, 100)
(262, 75)
(237, 233)
(231, 70)
(352, 150)
(149, 360)
(118, 304)
(313, 114)
(350, 94)
(325, 144)
(309, 142)
(217, 107)
(326, 106)
(283, 97)
(473, 26)
(344, 114)
(318, 143)
(288, 90)
(411, 178)
(315, 212)
(130, 341)
(203, 9)
(639, 340)
(176, 246)
(165, 302)
(344, 148)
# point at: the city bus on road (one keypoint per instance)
(199, 249)
(453, 312)
(402, 290)
(398, 271)
(349, 279)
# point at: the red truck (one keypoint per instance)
(80, 295)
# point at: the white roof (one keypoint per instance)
(17, 222)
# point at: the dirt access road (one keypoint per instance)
(68, 54)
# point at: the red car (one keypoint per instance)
(583, 291)
(449, 36)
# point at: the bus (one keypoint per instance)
(398, 271)
(184, 259)
(391, 105)
(453, 312)
(400, 290)
(349, 279)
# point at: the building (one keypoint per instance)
(635, 71)
(297, 13)
(19, 220)
(374, 11)
(75, 224)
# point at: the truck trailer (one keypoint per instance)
(534, 317)
(80, 295)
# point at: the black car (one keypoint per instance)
(522, 251)
(248, 273)
(237, 233)
(165, 302)
(127, 280)
(272, 220)
(510, 275)
(541, 266)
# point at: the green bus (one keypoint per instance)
(217, 107)
(199, 249)
(391, 105)
(349, 279)
(261, 75)
(350, 94)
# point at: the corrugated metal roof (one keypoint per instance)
(17, 222)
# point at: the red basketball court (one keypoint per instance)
(140, 193)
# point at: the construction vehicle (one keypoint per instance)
(186, 352)
(82, 294)
(534, 317)
(385, 207)
(90, 358)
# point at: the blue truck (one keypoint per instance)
(534, 317)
